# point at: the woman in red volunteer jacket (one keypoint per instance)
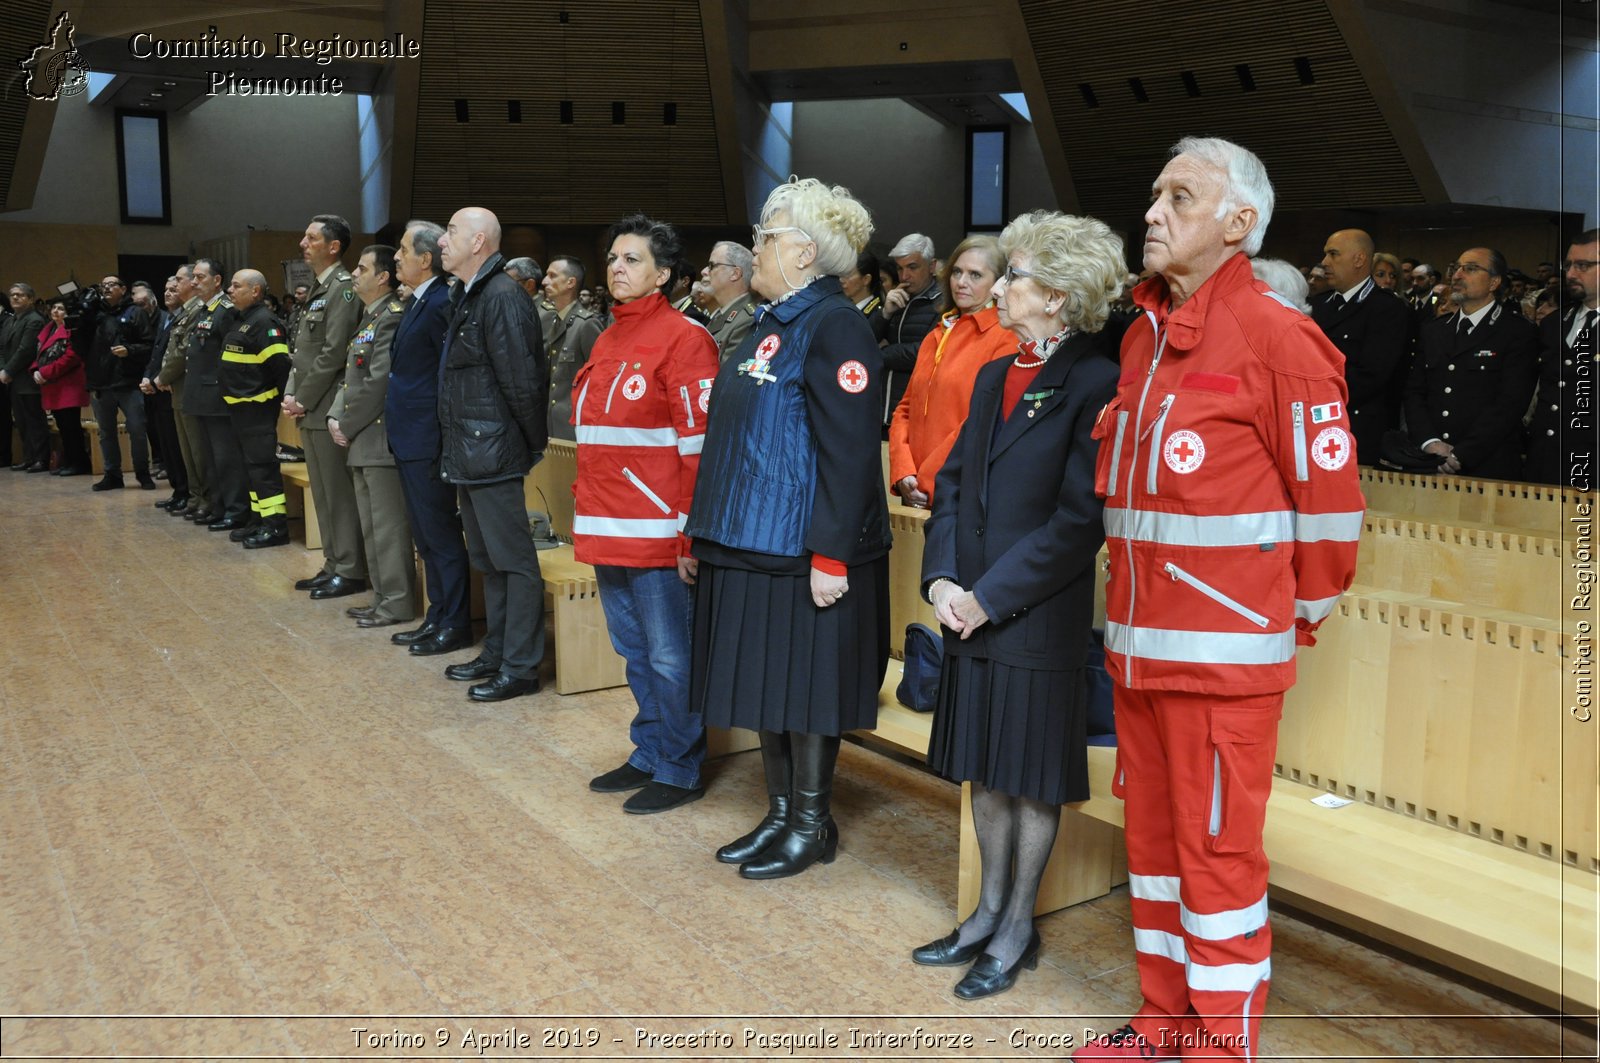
(58, 370)
(639, 411)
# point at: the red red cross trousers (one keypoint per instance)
(853, 377)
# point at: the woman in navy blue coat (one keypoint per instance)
(791, 527)
(1009, 569)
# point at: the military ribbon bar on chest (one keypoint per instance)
(756, 365)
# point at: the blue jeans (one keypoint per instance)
(648, 613)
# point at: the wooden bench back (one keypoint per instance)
(1450, 716)
(1475, 564)
(548, 488)
(1447, 499)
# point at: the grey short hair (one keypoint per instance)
(1283, 278)
(1079, 257)
(425, 241)
(525, 268)
(1247, 183)
(834, 220)
(914, 244)
(571, 265)
(739, 257)
(25, 289)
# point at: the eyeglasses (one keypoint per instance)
(1013, 274)
(758, 235)
(1465, 267)
(1582, 265)
(720, 265)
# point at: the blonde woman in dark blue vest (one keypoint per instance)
(791, 528)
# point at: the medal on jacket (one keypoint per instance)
(1037, 398)
(756, 365)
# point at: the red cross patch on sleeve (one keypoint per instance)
(853, 377)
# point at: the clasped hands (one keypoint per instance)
(957, 609)
(907, 490)
(1451, 463)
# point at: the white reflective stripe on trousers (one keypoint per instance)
(1184, 529)
(1160, 943)
(623, 528)
(1200, 647)
(1329, 527)
(1220, 926)
(1228, 977)
(1153, 887)
(612, 436)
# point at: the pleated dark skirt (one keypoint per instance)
(766, 658)
(1014, 730)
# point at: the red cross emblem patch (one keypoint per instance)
(705, 401)
(853, 377)
(1183, 451)
(768, 347)
(1331, 449)
(633, 388)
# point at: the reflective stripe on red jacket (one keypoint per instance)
(1233, 508)
(639, 416)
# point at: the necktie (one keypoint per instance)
(1335, 301)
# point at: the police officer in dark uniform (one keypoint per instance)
(1372, 331)
(228, 509)
(1561, 428)
(1473, 375)
(254, 367)
(569, 330)
(332, 315)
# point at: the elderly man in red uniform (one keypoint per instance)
(1232, 516)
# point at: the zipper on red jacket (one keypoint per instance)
(622, 367)
(1133, 465)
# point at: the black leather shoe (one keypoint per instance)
(19, 466)
(406, 638)
(106, 483)
(751, 845)
(71, 470)
(618, 780)
(229, 523)
(660, 797)
(239, 535)
(263, 537)
(38, 466)
(356, 612)
(947, 953)
(311, 583)
(203, 515)
(503, 688)
(339, 587)
(175, 502)
(988, 978)
(146, 483)
(477, 668)
(374, 620)
(445, 640)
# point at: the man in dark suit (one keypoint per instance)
(1473, 375)
(910, 311)
(1372, 330)
(411, 409)
(1562, 432)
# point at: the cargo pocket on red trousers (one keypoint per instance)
(1119, 785)
(1243, 742)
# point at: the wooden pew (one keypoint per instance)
(1447, 499)
(548, 487)
(299, 502)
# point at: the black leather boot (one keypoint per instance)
(775, 763)
(810, 835)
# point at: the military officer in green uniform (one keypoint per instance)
(191, 439)
(331, 317)
(727, 277)
(227, 505)
(569, 330)
(355, 421)
(253, 368)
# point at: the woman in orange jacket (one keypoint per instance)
(967, 338)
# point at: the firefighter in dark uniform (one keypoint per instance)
(569, 330)
(255, 365)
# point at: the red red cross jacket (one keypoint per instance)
(639, 415)
(1233, 508)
